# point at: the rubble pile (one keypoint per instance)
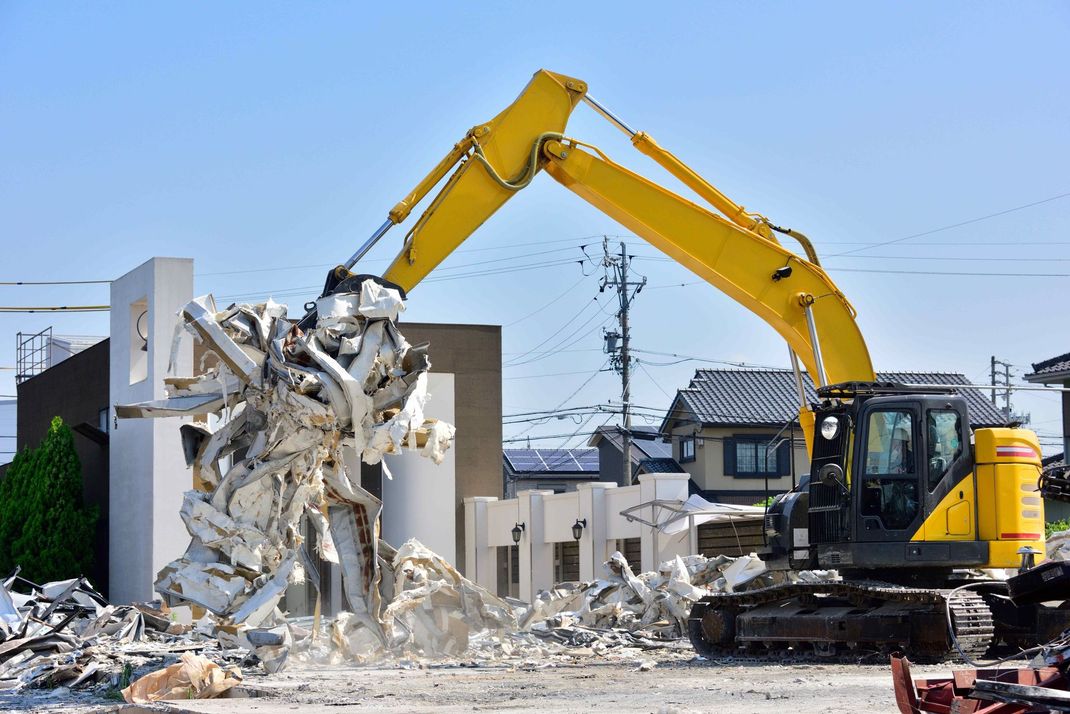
(304, 408)
(654, 605)
(295, 409)
(65, 634)
(1058, 546)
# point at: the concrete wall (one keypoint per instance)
(473, 355)
(148, 471)
(75, 390)
(547, 520)
(413, 499)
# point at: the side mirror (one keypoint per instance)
(830, 473)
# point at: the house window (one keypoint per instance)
(749, 457)
(687, 449)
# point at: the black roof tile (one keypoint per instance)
(1050, 367)
(769, 397)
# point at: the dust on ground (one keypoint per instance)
(664, 682)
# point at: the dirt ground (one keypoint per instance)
(664, 682)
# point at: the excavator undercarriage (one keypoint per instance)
(842, 618)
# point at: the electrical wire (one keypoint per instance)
(574, 393)
(954, 640)
(949, 272)
(833, 269)
(563, 345)
(554, 333)
(649, 376)
(55, 282)
(693, 358)
(955, 225)
(536, 312)
(56, 308)
(540, 376)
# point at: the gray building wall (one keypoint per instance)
(473, 354)
(76, 390)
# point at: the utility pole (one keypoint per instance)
(1003, 378)
(992, 373)
(620, 356)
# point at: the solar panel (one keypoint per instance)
(656, 449)
(552, 460)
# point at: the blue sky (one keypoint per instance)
(271, 137)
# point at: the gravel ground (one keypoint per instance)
(663, 682)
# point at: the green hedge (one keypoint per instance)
(44, 527)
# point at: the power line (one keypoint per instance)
(54, 282)
(556, 332)
(387, 260)
(540, 376)
(956, 225)
(959, 257)
(1000, 243)
(693, 358)
(301, 290)
(949, 272)
(57, 308)
(536, 312)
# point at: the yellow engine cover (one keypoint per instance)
(1010, 511)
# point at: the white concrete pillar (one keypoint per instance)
(420, 498)
(595, 546)
(480, 557)
(656, 547)
(536, 555)
(147, 471)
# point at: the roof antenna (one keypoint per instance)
(529, 442)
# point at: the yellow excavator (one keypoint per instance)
(903, 498)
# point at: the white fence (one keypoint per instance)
(546, 518)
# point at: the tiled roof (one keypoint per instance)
(1053, 461)
(1050, 368)
(551, 461)
(769, 397)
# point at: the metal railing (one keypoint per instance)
(32, 354)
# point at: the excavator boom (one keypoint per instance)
(732, 249)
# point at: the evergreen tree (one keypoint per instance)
(44, 527)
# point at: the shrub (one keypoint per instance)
(1055, 526)
(44, 526)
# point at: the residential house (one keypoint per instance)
(1056, 372)
(650, 453)
(735, 430)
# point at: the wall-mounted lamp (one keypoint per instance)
(518, 530)
(142, 330)
(577, 528)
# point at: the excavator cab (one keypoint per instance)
(889, 464)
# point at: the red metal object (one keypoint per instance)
(951, 695)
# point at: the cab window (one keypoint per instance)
(889, 484)
(890, 443)
(945, 442)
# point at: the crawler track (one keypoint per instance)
(840, 620)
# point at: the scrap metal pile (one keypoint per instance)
(303, 408)
(1039, 687)
(654, 604)
(65, 634)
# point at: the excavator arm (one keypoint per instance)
(732, 249)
